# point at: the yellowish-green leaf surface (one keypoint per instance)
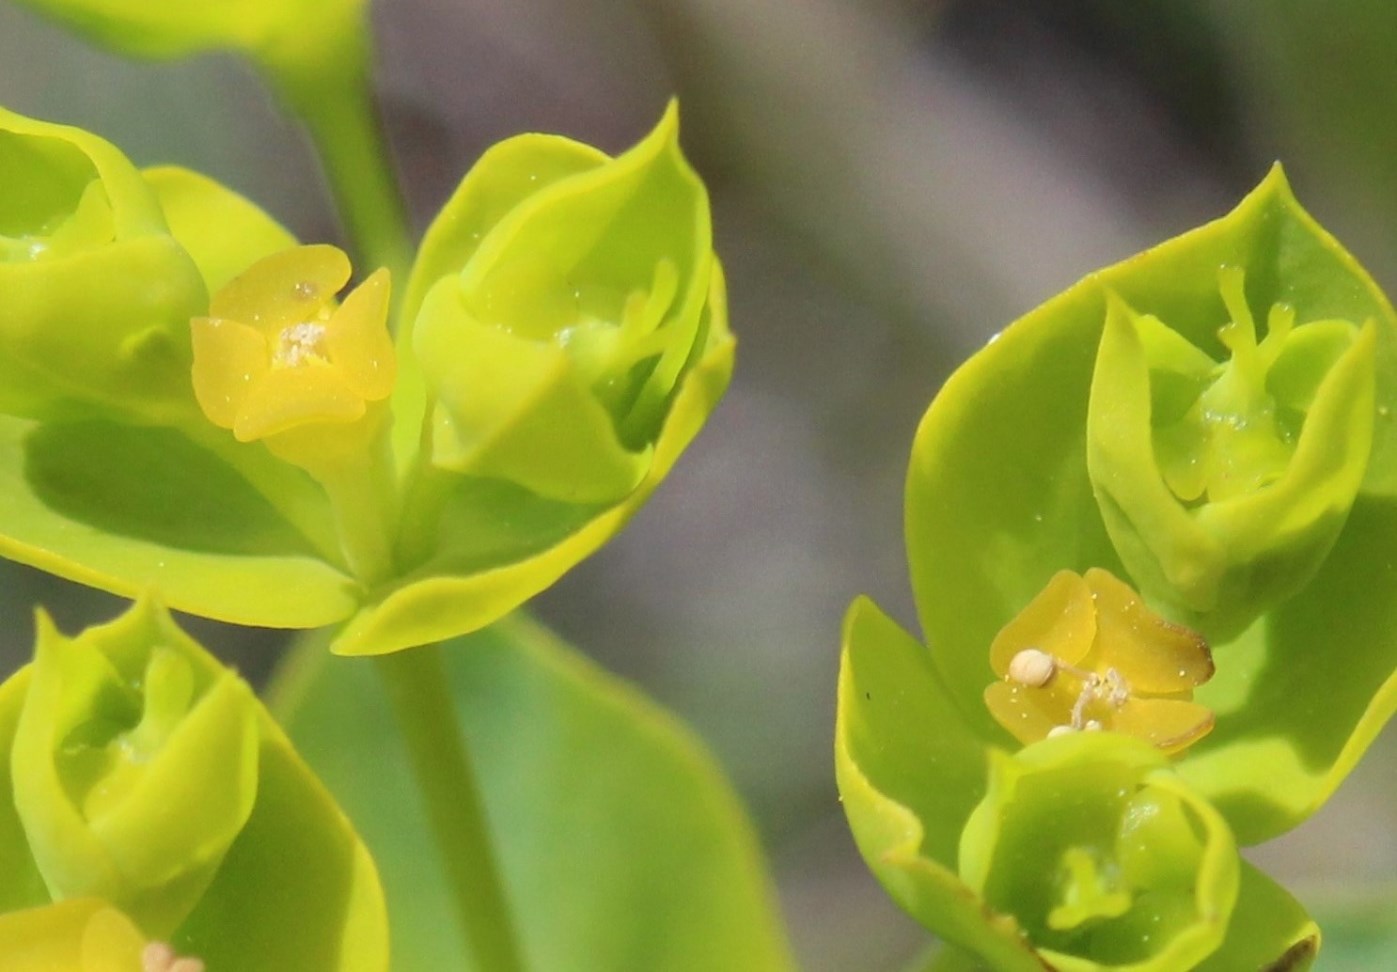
(1000, 498)
(620, 843)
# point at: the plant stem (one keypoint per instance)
(335, 102)
(416, 682)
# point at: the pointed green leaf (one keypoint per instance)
(587, 785)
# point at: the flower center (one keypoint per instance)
(299, 344)
(1034, 668)
(1087, 654)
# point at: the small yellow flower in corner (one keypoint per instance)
(1086, 654)
(276, 354)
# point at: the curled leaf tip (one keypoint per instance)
(1087, 655)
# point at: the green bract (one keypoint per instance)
(95, 294)
(1223, 486)
(1077, 853)
(145, 774)
(1143, 425)
(575, 291)
(1102, 855)
(563, 337)
(1055, 448)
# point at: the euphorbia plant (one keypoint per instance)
(197, 405)
(1140, 512)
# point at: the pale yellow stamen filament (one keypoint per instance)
(1033, 668)
(298, 344)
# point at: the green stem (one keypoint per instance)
(416, 682)
(333, 97)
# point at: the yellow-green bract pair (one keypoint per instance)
(151, 800)
(1208, 424)
(561, 338)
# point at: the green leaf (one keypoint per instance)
(23, 886)
(999, 499)
(621, 845)
(126, 508)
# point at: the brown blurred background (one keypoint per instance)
(893, 182)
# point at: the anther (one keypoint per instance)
(1032, 667)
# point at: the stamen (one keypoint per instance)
(1079, 708)
(298, 343)
(1032, 667)
(1118, 691)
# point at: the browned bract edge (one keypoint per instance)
(1295, 957)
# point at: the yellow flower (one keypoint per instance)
(1087, 654)
(275, 354)
(81, 935)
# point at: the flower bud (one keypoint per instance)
(1224, 484)
(95, 295)
(563, 298)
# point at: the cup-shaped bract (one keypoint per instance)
(135, 766)
(581, 291)
(1224, 484)
(1241, 482)
(95, 294)
(143, 773)
(1082, 852)
(1102, 855)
